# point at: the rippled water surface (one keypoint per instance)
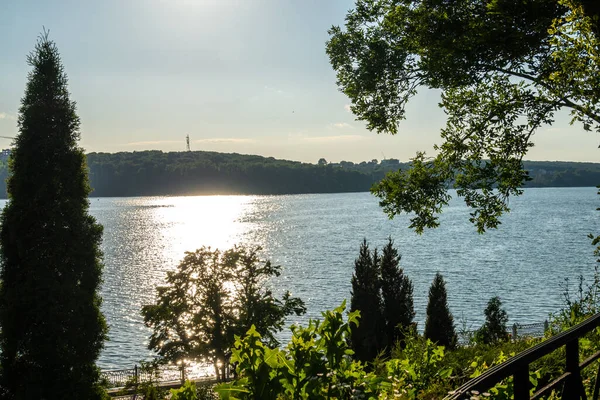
(315, 238)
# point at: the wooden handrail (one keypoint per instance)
(518, 366)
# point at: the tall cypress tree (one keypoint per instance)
(366, 339)
(52, 328)
(396, 293)
(439, 326)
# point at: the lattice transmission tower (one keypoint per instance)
(187, 143)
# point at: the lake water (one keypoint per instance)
(315, 238)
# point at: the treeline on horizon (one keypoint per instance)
(157, 173)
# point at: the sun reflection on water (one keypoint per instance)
(192, 222)
(143, 239)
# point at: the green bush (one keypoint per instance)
(420, 365)
(185, 392)
(315, 364)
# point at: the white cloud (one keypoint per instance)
(326, 139)
(224, 140)
(4, 115)
(335, 138)
(269, 92)
(347, 108)
(151, 142)
(207, 140)
(341, 125)
(273, 90)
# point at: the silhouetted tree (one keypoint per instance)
(367, 338)
(439, 326)
(494, 328)
(52, 328)
(397, 295)
(211, 297)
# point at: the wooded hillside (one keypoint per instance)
(156, 173)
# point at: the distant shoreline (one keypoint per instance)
(203, 173)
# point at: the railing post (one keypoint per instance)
(573, 384)
(596, 386)
(514, 332)
(135, 373)
(521, 383)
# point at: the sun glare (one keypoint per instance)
(189, 223)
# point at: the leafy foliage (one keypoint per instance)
(579, 306)
(193, 391)
(51, 263)
(315, 364)
(439, 325)
(210, 298)
(186, 392)
(417, 368)
(505, 389)
(503, 68)
(419, 365)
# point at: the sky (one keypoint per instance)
(244, 76)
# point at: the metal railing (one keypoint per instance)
(534, 330)
(119, 378)
(518, 367)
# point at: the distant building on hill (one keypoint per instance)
(390, 162)
(5, 154)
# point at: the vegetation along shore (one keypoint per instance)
(157, 173)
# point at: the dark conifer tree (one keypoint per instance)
(367, 338)
(397, 295)
(494, 329)
(52, 328)
(439, 326)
